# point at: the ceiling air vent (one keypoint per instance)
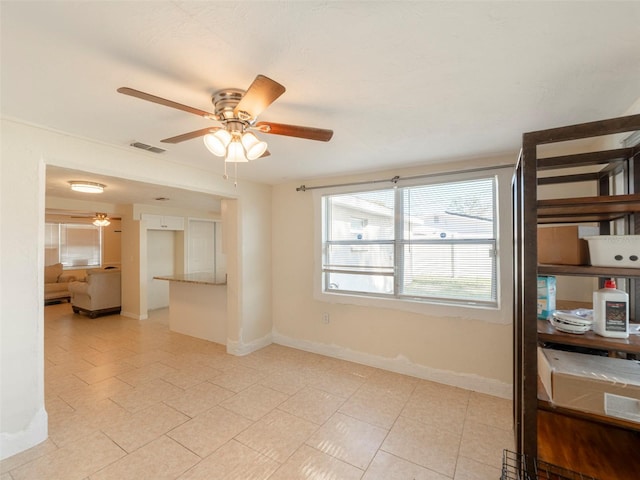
(149, 148)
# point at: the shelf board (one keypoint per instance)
(587, 209)
(548, 333)
(584, 159)
(595, 449)
(545, 403)
(588, 271)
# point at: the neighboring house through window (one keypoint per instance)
(434, 242)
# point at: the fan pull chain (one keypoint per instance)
(235, 173)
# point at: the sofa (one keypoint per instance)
(99, 294)
(56, 283)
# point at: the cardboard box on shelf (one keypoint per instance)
(590, 383)
(564, 245)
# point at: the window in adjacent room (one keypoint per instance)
(434, 242)
(73, 244)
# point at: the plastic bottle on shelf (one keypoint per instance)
(611, 311)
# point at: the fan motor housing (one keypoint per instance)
(225, 101)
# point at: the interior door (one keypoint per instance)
(201, 253)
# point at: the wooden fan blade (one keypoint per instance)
(166, 103)
(260, 94)
(309, 133)
(190, 135)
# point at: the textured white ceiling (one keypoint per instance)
(401, 83)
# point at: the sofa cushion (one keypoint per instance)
(52, 272)
(56, 288)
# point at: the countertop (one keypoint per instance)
(200, 278)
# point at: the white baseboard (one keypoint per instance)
(35, 433)
(235, 347)
(133, 315)
(402, 365)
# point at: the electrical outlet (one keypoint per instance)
(325, 318)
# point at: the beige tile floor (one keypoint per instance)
(132, 400)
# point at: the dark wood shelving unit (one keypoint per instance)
(578, 443)
(548, 333)
(529, 332)
(586, 271)
(587, 209)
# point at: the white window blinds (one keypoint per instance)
(73, 244)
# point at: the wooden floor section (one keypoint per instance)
(590, 448)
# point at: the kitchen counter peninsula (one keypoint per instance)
(198, 305)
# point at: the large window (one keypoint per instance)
(434, 242)
(73, 244)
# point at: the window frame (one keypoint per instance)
(499, 311)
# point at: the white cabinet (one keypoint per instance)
(163, 222)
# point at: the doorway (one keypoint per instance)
(160, 262)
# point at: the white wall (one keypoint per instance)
(634, 108)
(23, 419)
(450, 345)
(160, 262)
(25, 150)
(254, 228)
(133, 266)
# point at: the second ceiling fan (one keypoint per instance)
(237, 111)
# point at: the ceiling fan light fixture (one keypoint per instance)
(254, 147)
(217, 142)
(237, 110)
(86, 187)
(235, 152)
(101, 220)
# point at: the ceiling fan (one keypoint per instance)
(99, 219)
(237, 111)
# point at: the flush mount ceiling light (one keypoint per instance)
(101, 220)
(86, 187)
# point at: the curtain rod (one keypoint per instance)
(397, 178)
